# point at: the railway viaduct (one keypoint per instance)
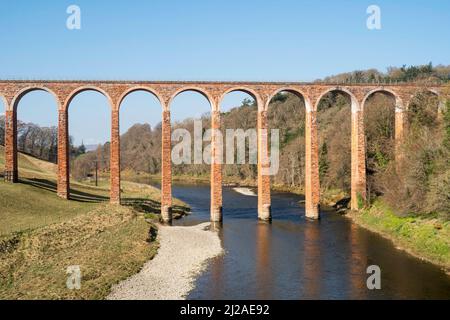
(311, 93)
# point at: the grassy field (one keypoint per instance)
(42, 235)
(109, 244)
(428, 239)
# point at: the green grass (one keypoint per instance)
(109, 244)
(24, 206)
(27, 163)
(41, 235)
(424, 237)
(33, 202)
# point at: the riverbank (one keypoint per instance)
(426, 239)
(328, 198)
(42, 235)
(182, 256)
(106, 244)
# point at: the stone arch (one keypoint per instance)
(64, 165)
(433, 91)
(203, 92)
(355, 106)
(355, 182)
(399, 106)
(389, 109)
(246, 90)
(79, 90)
(25, 91)
(294, 91)
(14, 141)
(141, 88)
(430, 92)
(424, 90)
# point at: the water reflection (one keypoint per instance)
(358, 264)
(297, 259)
(311, 260)
(263, 261)
(217, 268)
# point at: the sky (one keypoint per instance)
(204, 40)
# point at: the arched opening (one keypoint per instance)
(89, 114)
(379, 126)
(239, 113)
(37, 137)
(190, 111)
(423, 111)
(239, 119)
(334, 114)
(286, 113)
(416, 185)
(140, 137)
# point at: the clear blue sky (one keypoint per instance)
(205, 40)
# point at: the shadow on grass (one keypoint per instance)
(75, 195)
(142, 205)
(152, 234)
(151, 206)
(138, 204)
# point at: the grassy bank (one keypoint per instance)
(42, 235)
(428, 239)
(109, 244)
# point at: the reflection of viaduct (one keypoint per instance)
(115, 92)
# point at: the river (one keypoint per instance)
(294, 258)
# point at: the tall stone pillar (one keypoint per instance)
(312, 181)
(114, 161)
(11, 174)
(63, 154)
(166, 169)
(216, 168)
(264, 201)
(358, 179)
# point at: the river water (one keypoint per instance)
(294, 258)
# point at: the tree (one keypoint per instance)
(323, 161)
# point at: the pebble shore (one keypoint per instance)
(171, 275)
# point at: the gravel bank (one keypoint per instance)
(182, 256)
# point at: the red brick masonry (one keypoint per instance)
(262, 92)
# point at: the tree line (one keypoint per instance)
(37, 141)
